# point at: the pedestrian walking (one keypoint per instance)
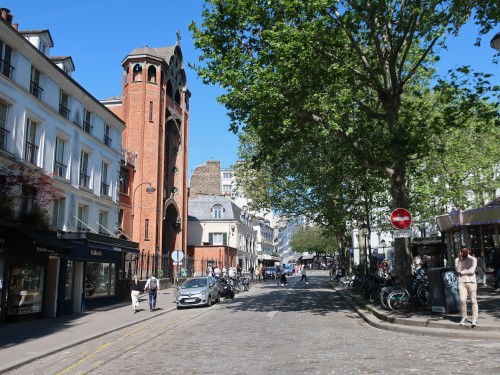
(153, 285)
(303, 272)
(251, 270)
(466, 265)
(496, 265)
(135, 291)
(283, 277)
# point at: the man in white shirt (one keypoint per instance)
(153, 284)
(465, 265)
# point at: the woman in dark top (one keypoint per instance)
(135, 291)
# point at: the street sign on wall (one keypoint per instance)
(401, 218)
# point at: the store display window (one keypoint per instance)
(100, 279)
(25, 290)
(68, 290)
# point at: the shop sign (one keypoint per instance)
(44, 250)
(97, 253)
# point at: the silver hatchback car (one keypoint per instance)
(197, 291)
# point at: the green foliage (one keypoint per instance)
(339, 106)
(38, 217)
(313, 240)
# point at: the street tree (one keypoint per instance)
(313, 240)
(356, 76)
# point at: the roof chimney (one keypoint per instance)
(6, 15)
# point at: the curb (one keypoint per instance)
(379, 320)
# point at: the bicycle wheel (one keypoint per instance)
(398, 301)
(384, 295)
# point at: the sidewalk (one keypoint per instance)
(427, 323)
(24, 342)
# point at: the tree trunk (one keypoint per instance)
(402, 249)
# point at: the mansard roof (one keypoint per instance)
(200, 208)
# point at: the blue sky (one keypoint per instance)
(99, 34)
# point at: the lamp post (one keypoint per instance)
(365, 230)
(150, 190)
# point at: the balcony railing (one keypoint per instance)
(84, 180)
(31, 152)
(87, 127)
(107, 141)
(60, 169)
(104, 188)
(3, 139)
(64, 111)
(6, 68)
(36, 90)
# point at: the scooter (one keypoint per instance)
(225, 289)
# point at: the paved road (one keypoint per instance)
(298, 329)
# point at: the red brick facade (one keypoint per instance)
(155, 109)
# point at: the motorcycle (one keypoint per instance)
(226, 290)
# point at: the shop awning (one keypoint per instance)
(45, 242)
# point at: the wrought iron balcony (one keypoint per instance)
(84, 180)
(36, 90)
(87, 127)
(60, 169)
(3, 139)
(6, 68)
(64, 111)
(31, 152)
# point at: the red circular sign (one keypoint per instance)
(401, 218)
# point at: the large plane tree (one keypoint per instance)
(357, 77)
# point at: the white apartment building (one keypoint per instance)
(52, 127)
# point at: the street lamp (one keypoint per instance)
(150, 190)
(365, 230)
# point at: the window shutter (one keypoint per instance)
(211, 238)
(224, 239)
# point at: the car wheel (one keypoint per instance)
(179, 307)
(209, 302)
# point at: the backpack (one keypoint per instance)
(153, 284)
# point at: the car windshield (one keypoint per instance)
(194, 283)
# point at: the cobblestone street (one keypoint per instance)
(297, 329)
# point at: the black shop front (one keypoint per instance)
(29, 270)
(93, 274)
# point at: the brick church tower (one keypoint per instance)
(155, 108)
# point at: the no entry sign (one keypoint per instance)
(401, 218)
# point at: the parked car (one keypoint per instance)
(288, 269)
(197, 291)
(270, 273)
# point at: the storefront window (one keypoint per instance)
(100, 279)
(68, 290)
(25, 290)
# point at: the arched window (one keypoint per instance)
(137, 75)
(152, 74)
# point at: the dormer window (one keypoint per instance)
(217, 211)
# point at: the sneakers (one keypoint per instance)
(307, 283)
(463, 321)
(474, 322)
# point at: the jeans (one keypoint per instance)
(304, 277)
(152, 300)
(465, 290)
